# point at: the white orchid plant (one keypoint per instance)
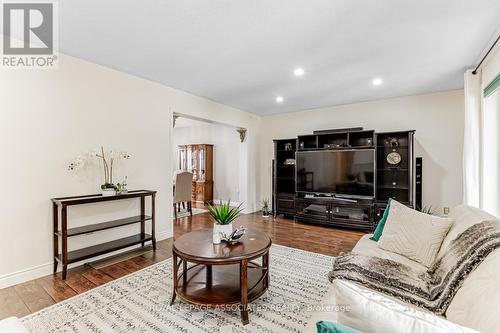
(107, 160)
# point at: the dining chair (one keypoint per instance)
(182, 192)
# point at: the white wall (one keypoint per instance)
(437, 119)
(227, 146)
(50, 116)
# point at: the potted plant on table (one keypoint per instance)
(108, 188)
(265, 208)
(224, 215)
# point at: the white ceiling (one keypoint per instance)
(242, 52)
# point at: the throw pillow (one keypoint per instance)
(380, 226)
(415, 235)
(323, 326)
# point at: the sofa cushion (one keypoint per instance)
(373, 312)
(413, 234)
(464, 217)
(368, 247)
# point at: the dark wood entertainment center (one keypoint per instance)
(393, 177)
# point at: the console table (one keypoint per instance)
(64, 233)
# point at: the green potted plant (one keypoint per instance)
(265, 208)
(224, 215)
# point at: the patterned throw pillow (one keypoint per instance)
(413, 234)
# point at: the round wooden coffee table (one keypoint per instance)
(220, 274)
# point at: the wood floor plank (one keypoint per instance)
(130, 266)
(56, 288)
(33, 295)
(11, 304)
(79, 283)
(115, 270)
(97, 276)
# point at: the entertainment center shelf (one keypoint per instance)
(358, 139)
(350, 182)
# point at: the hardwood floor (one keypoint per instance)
(31, 296)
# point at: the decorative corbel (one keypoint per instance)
(175, 118)
(242, 132)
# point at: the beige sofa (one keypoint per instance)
(476, 306)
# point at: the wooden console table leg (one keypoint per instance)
(55, 227)
(64, 241)
(244, 291)
(143, 223)
(174, 289)
(153, 220)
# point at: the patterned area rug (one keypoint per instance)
(185, 213)
(139, 302)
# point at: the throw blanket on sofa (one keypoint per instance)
(432, 288)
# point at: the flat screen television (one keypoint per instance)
(348, 173)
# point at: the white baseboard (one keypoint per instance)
(39, 271)
(24, 275)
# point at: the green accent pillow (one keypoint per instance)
(381, 224)
(329, 327)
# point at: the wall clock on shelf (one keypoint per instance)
(393, 158)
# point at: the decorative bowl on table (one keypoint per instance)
(234, 237)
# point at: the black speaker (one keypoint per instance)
(418, 183)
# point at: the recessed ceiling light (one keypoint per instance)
(298, 71)
(279, 99)
(377, 81)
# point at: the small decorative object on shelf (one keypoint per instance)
(288, 146)
(392, 142)
(331, 145)
(235, 236)
(393, 158)
(265, 208)
(290, 161)
(223, 215)
(121, 188)
(108, 188)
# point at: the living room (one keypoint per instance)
(360, 135)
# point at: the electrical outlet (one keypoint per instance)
(446, 210)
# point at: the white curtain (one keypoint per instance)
(490, 196)
(472, 139)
